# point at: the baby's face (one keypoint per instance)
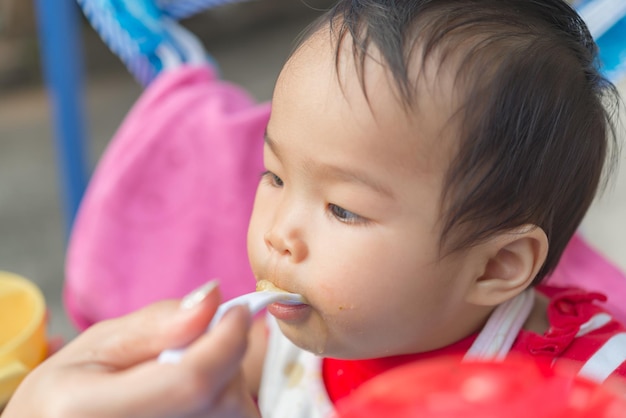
(348, 213)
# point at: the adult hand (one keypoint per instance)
(111, 369)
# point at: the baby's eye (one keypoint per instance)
(344, 215)
(273, 179)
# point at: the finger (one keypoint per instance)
(234, 401)
(168, 394)
(124, 342)
(204, 380)
(220, 352)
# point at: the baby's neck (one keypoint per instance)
(537, 321)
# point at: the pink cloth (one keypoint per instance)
(168, 206)
(582, 266)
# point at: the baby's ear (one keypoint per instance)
(511, 262)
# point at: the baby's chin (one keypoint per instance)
(316, 339)
(310, 336)
(321, 343)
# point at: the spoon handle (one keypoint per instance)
(255, 302)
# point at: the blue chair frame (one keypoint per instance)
(62, 64)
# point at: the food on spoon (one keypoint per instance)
(265, 285)
(286, 297)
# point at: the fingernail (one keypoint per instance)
(196, 297)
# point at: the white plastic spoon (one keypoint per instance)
(255, 302)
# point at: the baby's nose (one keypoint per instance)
(287, 243)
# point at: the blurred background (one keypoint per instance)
(250, 41)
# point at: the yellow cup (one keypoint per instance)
(22, 331)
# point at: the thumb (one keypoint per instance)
(126, 341)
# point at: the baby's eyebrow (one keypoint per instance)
(360, 176)
(271, 144)
(339, 173)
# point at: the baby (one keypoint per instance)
(427, 163)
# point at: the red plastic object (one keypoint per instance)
(515, 388)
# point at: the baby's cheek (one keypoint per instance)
(255, 256)
(347, 319)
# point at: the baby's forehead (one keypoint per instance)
(419, 75)
(427, 87)
(325, 70)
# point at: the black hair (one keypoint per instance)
(536, 116)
